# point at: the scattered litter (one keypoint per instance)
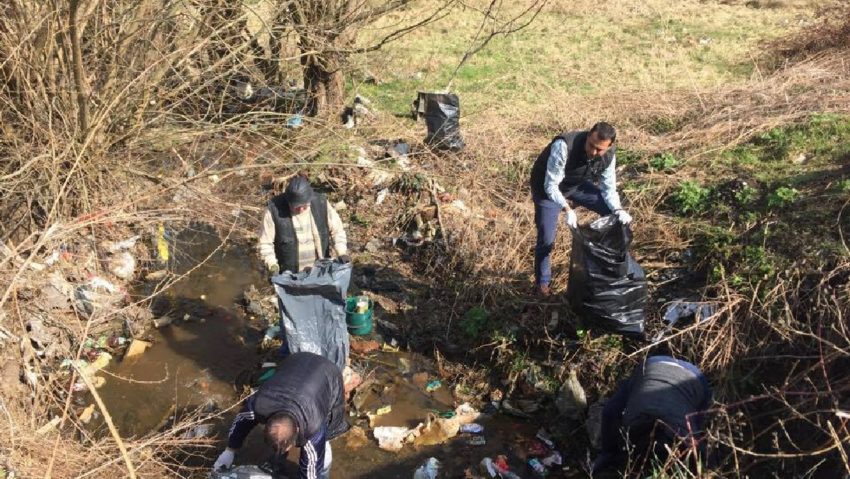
(436, 430)
(571, 400)
(137, 348)
(340, 206)
(86, 415)
(200, 431)
(429, 470)
(403, 366)
(537, 448)
(241, 472)
(122, 245)
(382, 195)
(678, 310)
(433, 385)
(472, 428)
(51, 425)
(384, 410)
(537, 467)
(554, 459)
(268, 365)
(387, 348)
(391, 438)
(162, 321)
(161, 244)
(266, 375)
(476, 441)
(156, 275)
(594, 424)
(295, 121)
(544, 437)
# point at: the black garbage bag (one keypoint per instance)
(607, 288)
(442, 117)
(312, 309)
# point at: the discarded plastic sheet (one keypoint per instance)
(123, 265)
(312, 307)
(391, 438)
(571, 400)
(679, 310)
(242, 472)
(607, 288)
(436, 430)
(429, 470)
(442, 118)
(122, 245)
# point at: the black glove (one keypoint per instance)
(344, 259)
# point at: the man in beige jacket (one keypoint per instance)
(299, 227)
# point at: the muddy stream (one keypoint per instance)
(211, 347)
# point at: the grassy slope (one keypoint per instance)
(583, 47)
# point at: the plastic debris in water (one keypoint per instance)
(384, 410)
(433, 385)
(553, 459)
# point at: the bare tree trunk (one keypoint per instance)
(325, 83)
(77, 53)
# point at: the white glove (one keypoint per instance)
(623, 216)
(225, 460)
(571, 219)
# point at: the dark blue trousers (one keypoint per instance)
(546, 213)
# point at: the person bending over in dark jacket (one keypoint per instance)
(301, 405)
(660, 404)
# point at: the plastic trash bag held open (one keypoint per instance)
(312, 306)
(607, 288)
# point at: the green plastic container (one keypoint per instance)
(359, 324)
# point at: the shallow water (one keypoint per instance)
(196, 362)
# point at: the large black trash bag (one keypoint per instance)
(442, 117)
(312, 307)
(607, 288)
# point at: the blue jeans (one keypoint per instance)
(546, 213)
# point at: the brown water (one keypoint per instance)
(194, 361)
(197, 361)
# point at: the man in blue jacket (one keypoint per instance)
(662, 403)
(579, 166)
(301, 405)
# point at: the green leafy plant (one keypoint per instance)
(782, 197)
(474, 321)
(746, 195)
(664, 162)
(843, 186)
(691, 198)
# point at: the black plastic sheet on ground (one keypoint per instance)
(312, 308)
(607, 288)
(442, 117)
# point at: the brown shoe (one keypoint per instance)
(543, 290)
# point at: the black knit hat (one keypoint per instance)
(298, 191)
